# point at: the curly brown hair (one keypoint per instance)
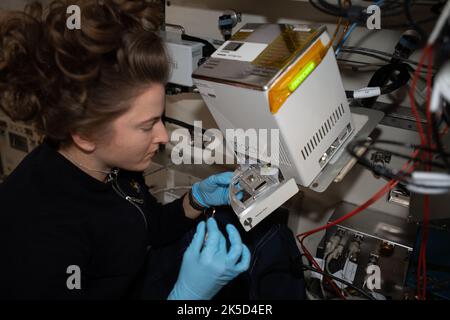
(68, 81)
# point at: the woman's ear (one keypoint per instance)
(85, 144)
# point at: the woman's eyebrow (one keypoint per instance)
(153, 119)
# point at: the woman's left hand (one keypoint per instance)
(214, 190)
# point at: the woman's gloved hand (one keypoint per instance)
(214, 190)
(207, 265)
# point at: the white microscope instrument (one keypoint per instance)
(277, 77)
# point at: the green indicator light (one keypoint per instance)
(301, 76)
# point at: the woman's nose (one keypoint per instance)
(161, 133)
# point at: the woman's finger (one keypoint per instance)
(236, 244)
(198, 239)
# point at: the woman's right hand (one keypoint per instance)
(207, 265)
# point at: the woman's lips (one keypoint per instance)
(151, 154)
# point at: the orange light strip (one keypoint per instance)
(282, 89)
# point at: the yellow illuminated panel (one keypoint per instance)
(288, 83)
(301, 76)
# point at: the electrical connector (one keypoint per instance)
(334, 241)
(355, 247)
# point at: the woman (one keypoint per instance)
(74, 225)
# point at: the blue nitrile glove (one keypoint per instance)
(214, 190)
(207, 265)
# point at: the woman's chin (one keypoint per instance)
(146, 163)
(142, 166)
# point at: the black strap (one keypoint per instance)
(194, 203)
(389, 78)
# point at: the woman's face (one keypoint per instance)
(137, 134)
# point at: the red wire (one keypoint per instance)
(391, 184)
(423, 248)
(421, 268)
(316, 265)
(426, 212)
(412, 99)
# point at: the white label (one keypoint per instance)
(366, 92)
(245, 51)
(303, 28)
(349, 272)
(315, 274)
(246, 30)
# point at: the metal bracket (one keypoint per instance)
(365, 121)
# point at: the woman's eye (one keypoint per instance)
(149, 126)
(147, 129)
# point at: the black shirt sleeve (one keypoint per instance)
(168, 222)
(46, 260)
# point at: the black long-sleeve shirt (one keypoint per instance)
(53, 216)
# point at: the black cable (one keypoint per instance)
(356, 65)
(399, 77)
(424, 70)
(349, 94)
(348, 284)
(413, 24)
(323, 10)
(208, 48)
(389, 173)
(404, 25)
(404, 145)
(404, 156)
(322, 285)
(362, 64)
(446, 114)
(388, 9)
(363, 53)
(388, 78)
(356, 13)
(437, 139)
(396, 73)
(332, 8)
